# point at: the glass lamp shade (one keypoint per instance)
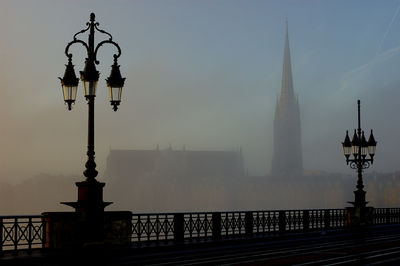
(69, 93)
(371, 150)
(69, 84)
(89, 76)
(355, 143)
(364, 145)
(89, 88)
(115, 96)
(371, 145)
(115, 83)
(346, 145)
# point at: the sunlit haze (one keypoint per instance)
(200, 74)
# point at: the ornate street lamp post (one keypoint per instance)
(359, 147)
(90, 191)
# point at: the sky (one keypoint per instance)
(200, 74)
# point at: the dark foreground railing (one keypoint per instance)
(22, 232)
(386, 216)
(208, 226)
(29, 232)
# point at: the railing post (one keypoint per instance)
(30, 233)
(388, 216)
(147, 229)
(248, 223)
(44, 231)
(282, 221)
(374, 221)
(179, 230)
(398, 216)
(327, 219)
(216, 225)
(191, 226)
(15, 233)
(1, 235)
(139, 229)
(306, 220)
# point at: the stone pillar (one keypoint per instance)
(67, 229)
(62, 230)
(327, 219)
(216, 225)
(359, 216)
(282, 221)
(248, 223)
(118, 227)
(306, 220)
(179, 228)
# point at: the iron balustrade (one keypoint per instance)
(152, 227)
(208, 226)
(22, 232)
(386, 216)
(29, 232)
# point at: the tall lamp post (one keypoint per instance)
(359, 147)
(90, 191)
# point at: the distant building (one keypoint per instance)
(167, 180)
(185, 164)
(287, 155)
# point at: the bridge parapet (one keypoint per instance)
(163, 228)
(148, 229)
(386, 216)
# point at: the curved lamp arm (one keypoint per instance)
(110, 42)
(73, 42)
(95, 25)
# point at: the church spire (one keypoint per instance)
(287, 82)
(287, 153)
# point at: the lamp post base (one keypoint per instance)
(90, 197)
(90, 206)
(359, 214)
(359, 199)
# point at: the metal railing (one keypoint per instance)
(386, 216)
(206, 226)
(22, 232)
(29, 232)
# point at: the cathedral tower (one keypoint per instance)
(287, 157)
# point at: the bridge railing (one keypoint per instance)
(152, 227)
(208, 226)
(386, 216)
(29, 232)
(22, 232)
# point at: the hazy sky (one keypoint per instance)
(204, 74)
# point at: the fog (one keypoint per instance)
(200, 74)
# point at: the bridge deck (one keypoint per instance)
(375, 245)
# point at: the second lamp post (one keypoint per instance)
(359, 147)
